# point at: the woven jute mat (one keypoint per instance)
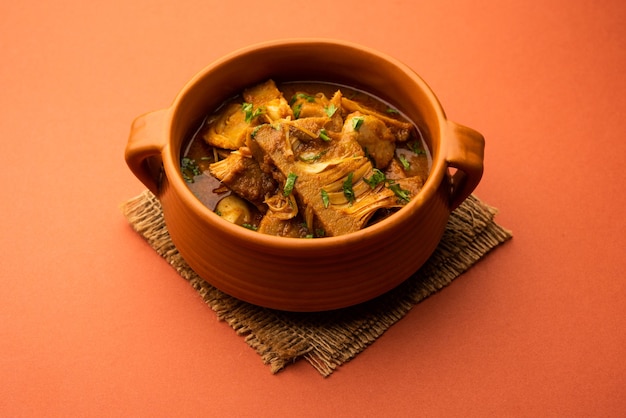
(328, 339)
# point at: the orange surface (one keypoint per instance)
(93, 322)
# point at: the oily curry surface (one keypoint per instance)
(305, 160)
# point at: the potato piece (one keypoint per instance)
(234, 209)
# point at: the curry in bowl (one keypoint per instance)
(305, 160)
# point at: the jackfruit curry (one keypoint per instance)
(305, 160)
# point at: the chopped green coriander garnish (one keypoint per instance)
(400, 193)
(404, 161)
(416, 148)
(306, 97)
(392, 110)
(348, 192)
(247, 108)
(255, 131)
(289, 184)
(330, 110)
(325, 198)
(324, 135)
(250, 112)
(296, 110)
(357, 121)
(189, 169)
(376, 178)
(250, 226)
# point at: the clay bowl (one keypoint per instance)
(306, 274)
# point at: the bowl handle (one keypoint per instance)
(143, 150)
(465, 154)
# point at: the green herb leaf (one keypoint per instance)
(392, 110)
(357, 121)
(348, 192)
(324, 135)
(404, 161)
(189, 169)
(289, 184)
(255, 131)
(250, 112)
(306, 97)
(416, 148)
(330, 110)
(325, 198)
(400, 193)
(296, 110)
(247, 109)
(250, 227)
(376, 178)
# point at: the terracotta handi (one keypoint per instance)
(300, 274)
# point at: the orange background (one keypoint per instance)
(94, 323)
